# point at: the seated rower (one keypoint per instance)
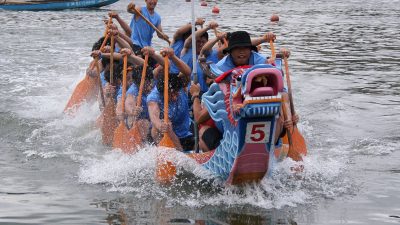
(178, 112)
(132, 112)
(241, 52)
(187, 56)
(209, 135)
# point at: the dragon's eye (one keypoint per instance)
(239, 78)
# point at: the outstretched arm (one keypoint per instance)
(151, 53)
(132, 58)
(186, 28)
(208, 46)
(121, 22)
(265, 38)
(183, 68)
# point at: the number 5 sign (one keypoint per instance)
(257, 132)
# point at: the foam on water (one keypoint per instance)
(196, 187)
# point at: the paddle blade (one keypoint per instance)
(166, 141)
(134, 140)
(166, 170)
(109, 123)
(86, 90)
(298, 148)
(120, 137)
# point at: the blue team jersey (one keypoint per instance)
(134, 90)
(142, 33)
(177, 46)
(226, 63)
(178, 112)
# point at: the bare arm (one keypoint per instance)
(121, 22)
(208, 46)
(154, 114)
(183, 68)
(265, 38)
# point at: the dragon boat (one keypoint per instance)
(248, 111)
(37, 5)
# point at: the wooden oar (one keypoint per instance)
(299, 148)
(273, 55)
(121, 133)
(106, 36)
(109, 116)
(150, 24)
(165, 170)
(134, 134)
(86, 90)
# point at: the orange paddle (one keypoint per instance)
(165, 170)
(135, 137)
(299, 144)
(121, 133)
(109, 116)
(273, 55)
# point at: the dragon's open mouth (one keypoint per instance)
(263, 85)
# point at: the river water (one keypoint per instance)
(344, 64)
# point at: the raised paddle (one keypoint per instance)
(106, 36)
(165, 170)
(121, 133)
(273, 55)
(299, 148)
(135, 137)
(150, 24)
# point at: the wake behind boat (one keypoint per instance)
(37, 5)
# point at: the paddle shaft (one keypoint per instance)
(112, 61)
(106, 34)
(273, 55)
(285, 116)
(166, 78)
(152, 25)
(289, 84)
(124, 83)
(144, 70)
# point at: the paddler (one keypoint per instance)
(242, 52)
(178, 111)
(142, 33)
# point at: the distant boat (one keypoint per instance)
(36, 5)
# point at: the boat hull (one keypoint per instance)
(54, 5)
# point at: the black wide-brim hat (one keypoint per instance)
(239, 39)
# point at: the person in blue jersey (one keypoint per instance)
(142, 33)
(139, 114)
(179, 38)
(187, 55)
(178, 112)
(241, 52)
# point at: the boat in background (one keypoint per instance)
(37, 5)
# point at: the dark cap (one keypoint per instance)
(239, 39)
